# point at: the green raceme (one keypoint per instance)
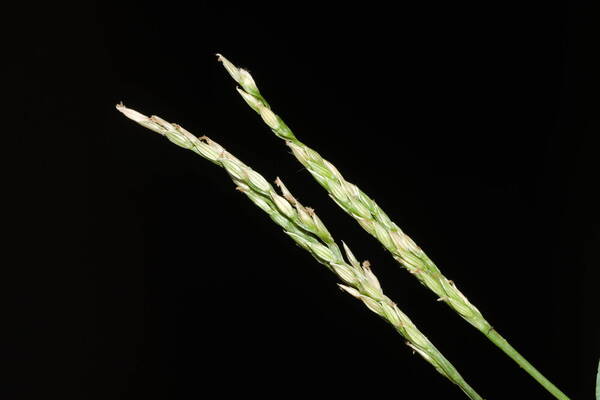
(308, 231)
(376, 222)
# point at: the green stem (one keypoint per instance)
(470, 391)
(518, 358)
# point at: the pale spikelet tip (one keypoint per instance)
(232, 69)
(350, 290)
(131, 114)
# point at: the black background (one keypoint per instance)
(474, 126)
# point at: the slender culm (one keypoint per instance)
(376, 222)
(308, 231)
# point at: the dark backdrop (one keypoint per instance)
(148, 277)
